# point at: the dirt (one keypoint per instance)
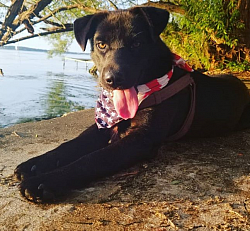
(196, 184)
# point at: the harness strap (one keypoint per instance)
(169, 91)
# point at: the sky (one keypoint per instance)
(42, 43)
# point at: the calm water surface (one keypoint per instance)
(34, 87)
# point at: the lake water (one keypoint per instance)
(34, 87)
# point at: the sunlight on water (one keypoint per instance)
(34, 87)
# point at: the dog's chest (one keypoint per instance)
(127, 127)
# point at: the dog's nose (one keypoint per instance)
(114, 79)
(109, 78)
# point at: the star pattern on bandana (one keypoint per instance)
(106, 115)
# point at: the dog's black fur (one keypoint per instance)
(127, 51)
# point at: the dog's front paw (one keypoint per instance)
(25, 170)
(36, 166)
(38, 189)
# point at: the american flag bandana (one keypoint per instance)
(105, 113)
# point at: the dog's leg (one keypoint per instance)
(90, 140)
(151, 127)
(122, 154)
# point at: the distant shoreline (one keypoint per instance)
(21, 48)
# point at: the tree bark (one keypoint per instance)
(166, 6)
(32, 12)
(10, 16)
(244, 8)
(69, 27)
(244, 35)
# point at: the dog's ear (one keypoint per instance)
(85, 27)
(156, 17)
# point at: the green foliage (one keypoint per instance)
(238, 66)
(191, 46)
(60, 43)
(206, 24)
(218, 18)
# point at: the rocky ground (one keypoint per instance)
(201, 184)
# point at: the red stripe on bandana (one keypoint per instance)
(153, 86)
(180, 62)
(147, 89)
(170, 73)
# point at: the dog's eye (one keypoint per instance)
(136, 44)
(101, 46)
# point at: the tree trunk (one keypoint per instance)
(10, 16)
(244, 34)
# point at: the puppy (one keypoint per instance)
(133, 114)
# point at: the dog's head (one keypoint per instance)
(125, 45)
(127, 50)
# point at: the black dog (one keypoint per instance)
(128, 53)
